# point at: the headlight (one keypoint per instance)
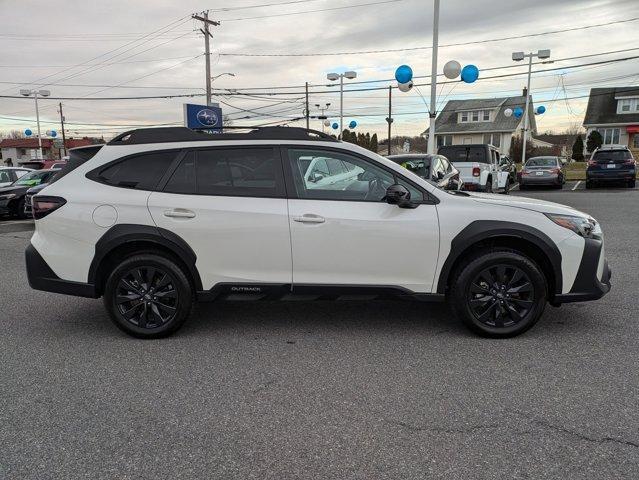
(587, 227)
(8, 196)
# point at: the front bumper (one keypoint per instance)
(588, 285)
(41, 277)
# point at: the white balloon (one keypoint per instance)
(452, 69)
(327, 123)
(508, 112)
(405, 87)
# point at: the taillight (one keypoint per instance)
(555, 170)
(591, 163)
(629, 161)
(43, 205)
(476, 172)
(525, 172)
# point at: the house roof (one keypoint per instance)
(25, 143)
(602, 106)
(557, 139)
(46, 142)
(447, 119)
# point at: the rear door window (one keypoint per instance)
(241, 172)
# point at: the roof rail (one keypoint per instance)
(183, 134)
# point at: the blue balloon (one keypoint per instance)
(335, 126)
(28, 132)
(403, 74)
(54, 133)
(518, 112)
(469, 74)
(352, 125)
(541, 109)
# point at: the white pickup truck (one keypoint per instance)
(478, 166)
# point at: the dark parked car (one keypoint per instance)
(435, 168)
(612, 163)
(542, 171)
(12, 198)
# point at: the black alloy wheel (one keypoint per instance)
(501, 296)
(498, 292)
(148, 295)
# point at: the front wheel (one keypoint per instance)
(148, 296)
(499, 294)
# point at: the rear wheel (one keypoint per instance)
(148, 296)
(489, 185)
(632, 183)
(589, 184)
(499, 293)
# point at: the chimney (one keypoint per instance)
(525, 92)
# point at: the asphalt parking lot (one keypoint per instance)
(347, 390)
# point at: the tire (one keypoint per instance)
(632, 183)
(489, 186)
(20, 213)
(589, 184)
(503, 312)
(138, 278)
(507, 187)
(522, 186)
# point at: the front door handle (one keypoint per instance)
(179, 213)
(309, 218)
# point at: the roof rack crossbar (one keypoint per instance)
(183, 134)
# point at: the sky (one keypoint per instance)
(87, 49)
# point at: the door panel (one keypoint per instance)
(364, 243)
(235, 239)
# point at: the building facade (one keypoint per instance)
(614, 113)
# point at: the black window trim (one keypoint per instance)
(429, 198)
(280, 182)
(94, 174)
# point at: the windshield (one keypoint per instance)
(460, 154)
(542, 162)
(34, 178)
(611, 155)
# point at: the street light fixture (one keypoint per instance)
(350, 75)
(222, 74)
(322, 115)
(518, 57)
(25, 92)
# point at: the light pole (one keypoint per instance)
(518, 57)
(43, 93)
(340, 76)
(433, 82)
(322, 116)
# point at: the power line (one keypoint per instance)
(408, 49)
(246, 7)
(287, 14)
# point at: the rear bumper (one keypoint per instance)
(542, 180)
(612, 175)
(587, 285)
(41, 277)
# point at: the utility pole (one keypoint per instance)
(433, 82)
(64, 138)
(389, 119)
(204, 18)
(308, 117)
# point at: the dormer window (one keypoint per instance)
(474, 116)
(627, 105)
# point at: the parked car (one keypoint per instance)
(159, 217)
(12, 198)
(478, 167)
(542, 171)
(435, 168)
(8, 175)
(40, 164)
(611, 163)
(28, 206)
(507, 165)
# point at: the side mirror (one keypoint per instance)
(399, 195)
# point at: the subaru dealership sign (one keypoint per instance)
(203, 117)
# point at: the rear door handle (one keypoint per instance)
(309, 218)
(179, 213)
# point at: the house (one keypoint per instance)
(560, 144)
(482, 120)
(21, 150)
(614, 113)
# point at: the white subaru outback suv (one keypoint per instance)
(158, 218)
